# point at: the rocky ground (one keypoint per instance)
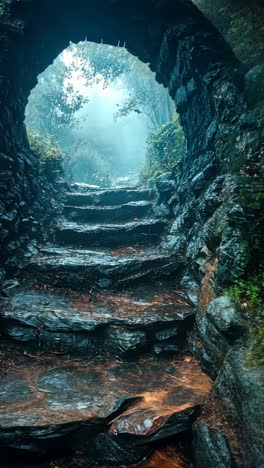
(101, 373)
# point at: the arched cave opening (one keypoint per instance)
(121, 334)
(99, 113)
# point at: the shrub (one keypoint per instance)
(48, 152)
(164, 150)
(250, 296)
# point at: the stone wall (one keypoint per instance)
(29, 204)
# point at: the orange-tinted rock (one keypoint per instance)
(107, 410)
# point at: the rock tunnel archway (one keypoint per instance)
(188, 55)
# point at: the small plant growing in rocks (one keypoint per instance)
(49, 154)
(249, 295)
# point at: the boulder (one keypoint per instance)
(165, 182)
(225, 317)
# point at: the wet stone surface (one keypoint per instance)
(151, 319)
(128, 211)
(121, 407)
(108, 197)
(78, 268)
(143, 232)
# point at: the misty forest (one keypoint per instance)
(131, 234)
(98, 112)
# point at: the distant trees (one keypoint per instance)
(54, 102)
(53, 111)
(62, 92)
(146, 96)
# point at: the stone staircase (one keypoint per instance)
(82, 255)
(104, 371)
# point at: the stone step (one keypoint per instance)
(125, 212)
(83, 187)
(107, 197)
(149, 319)
(94, 235)
(109, 411)
(78, 269)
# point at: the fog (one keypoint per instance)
(98, 104)
(127, 136)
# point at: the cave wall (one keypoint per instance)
(216, 193)
(241, 23)
(220, 175)
(215, 197)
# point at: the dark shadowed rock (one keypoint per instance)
(165, 182)
(211, 448)
(240, 388)
(10, 287)
(216, 330)
(191, 289)
(209, 344)
(162, 211)
(254, 84)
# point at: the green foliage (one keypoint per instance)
(146, 96)
(164, 150)
(98, 62)
(49, 154)
(54, 103)
(250, 296)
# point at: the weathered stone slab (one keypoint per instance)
(105, 235)
(125, 212)
(111, 411)
(80, 268)
(149, 319)
(107, 197)
(82, 187)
